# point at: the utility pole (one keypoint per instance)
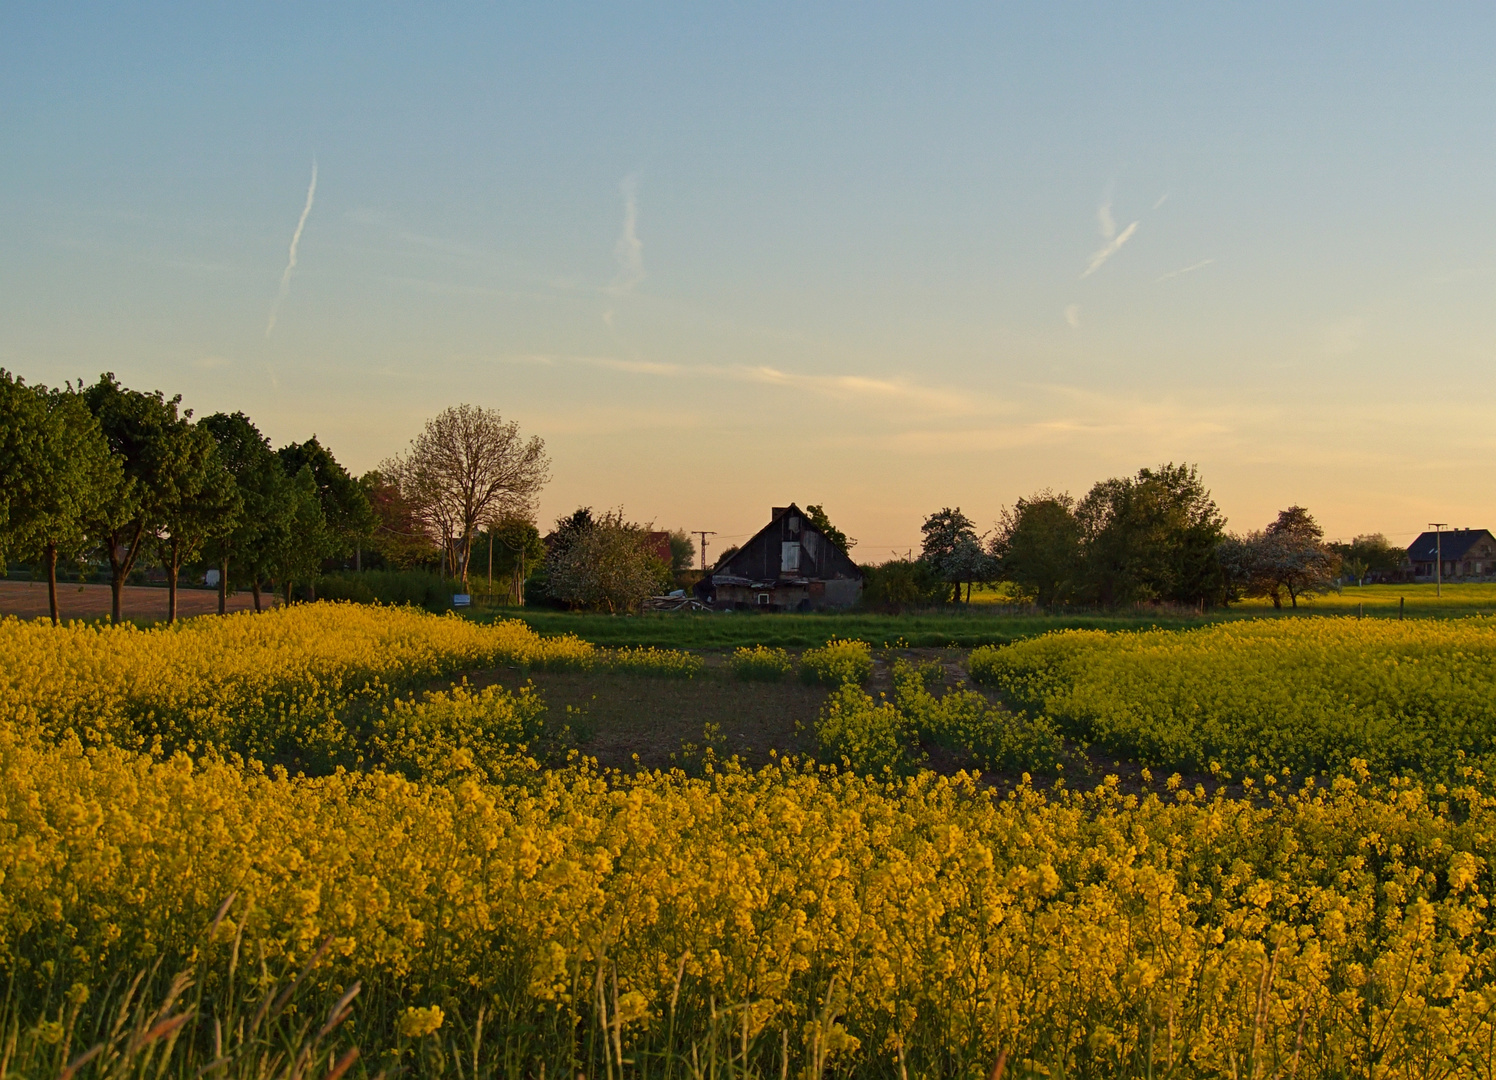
(1438, 527)
(703, 533)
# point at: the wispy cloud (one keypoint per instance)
(1162, 199)
(1072, 316)
(900, 391)
(1201, 265)
(1114, 239)
(285, 285)
(629, 251)
(640, 367)
(903, 393)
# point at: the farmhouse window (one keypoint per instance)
(763, 599)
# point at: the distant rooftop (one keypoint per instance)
(1453, 544)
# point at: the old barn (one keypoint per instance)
(789, 565)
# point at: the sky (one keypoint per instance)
(884, 258)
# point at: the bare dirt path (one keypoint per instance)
(28, 599)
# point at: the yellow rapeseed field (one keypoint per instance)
(1255, 696)
(493, 918)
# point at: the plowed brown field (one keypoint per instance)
(28, 599)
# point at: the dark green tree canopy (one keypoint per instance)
(1369, 554)
(157, 453)
(682, 550)
(56, 472)
(264, 491)
(568, 529)
(345, 504)
(24, 473)
(1038, 546)
(204, 505)
(1152, 537)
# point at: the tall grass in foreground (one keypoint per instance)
(217, 1016)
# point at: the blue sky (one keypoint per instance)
(885, 258)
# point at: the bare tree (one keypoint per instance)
(468, 469)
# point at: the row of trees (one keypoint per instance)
(1156, 537)
(123, 477)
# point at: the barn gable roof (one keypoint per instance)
(759, 557)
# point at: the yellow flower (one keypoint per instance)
(417, 1023)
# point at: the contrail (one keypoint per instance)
(311, 193)
(1111, 248)
(1201, 265)
(629, 251)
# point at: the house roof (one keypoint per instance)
(725, 572)
(1452, 544)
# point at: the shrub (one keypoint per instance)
(838, 662)
(867, 736)
(967, 723)
(901, 584)
(877, 737)
(761, 664)
(667, 663)
(420, 588)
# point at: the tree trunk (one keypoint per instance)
(223, 585)
(255, 588)
(50, 554)
(119, 569)
(174, 561)
(1277, 600)
(286, 593)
